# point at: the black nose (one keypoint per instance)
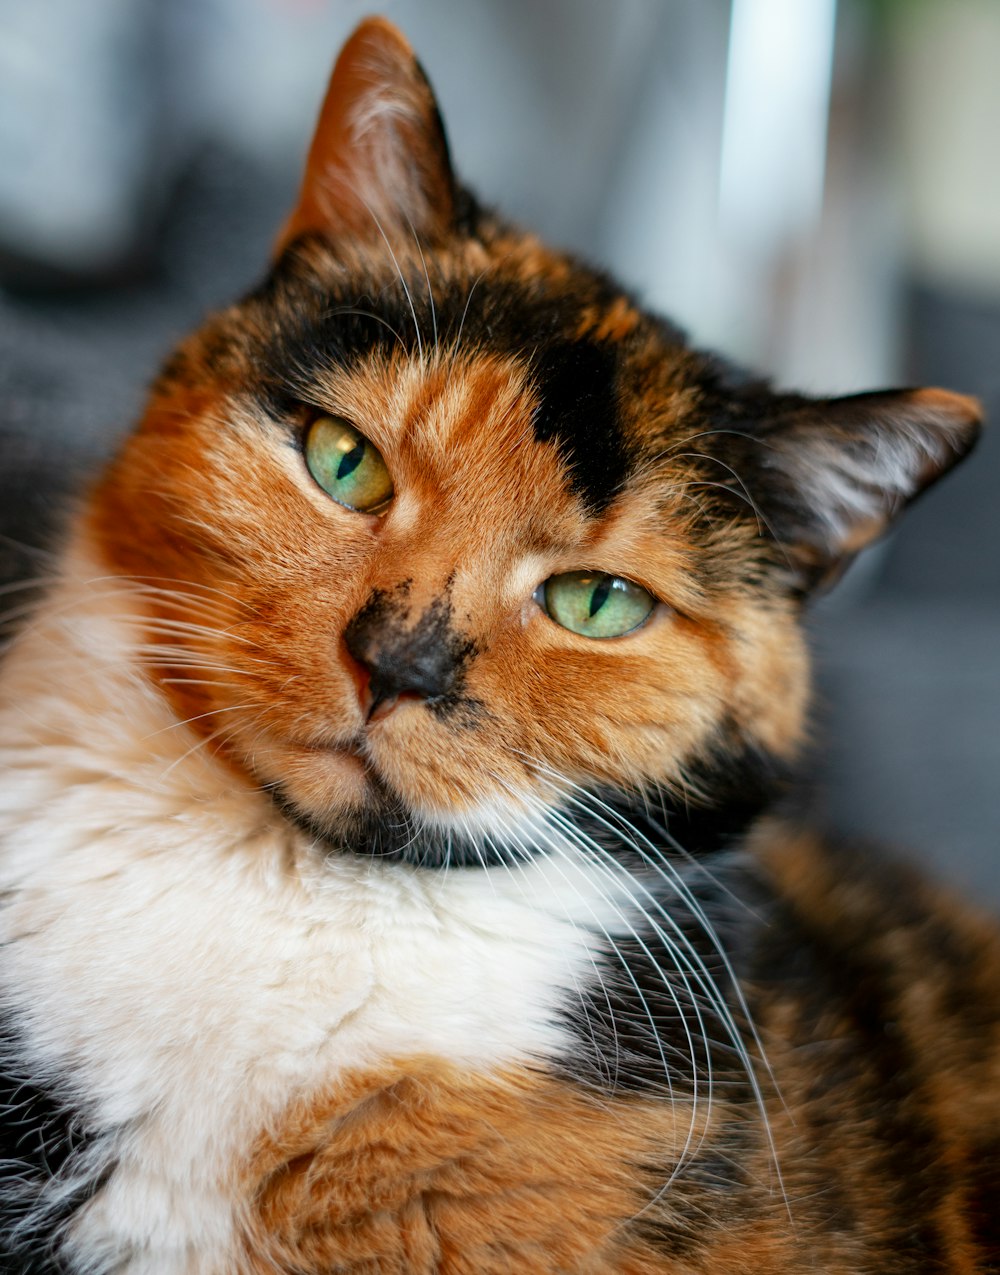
(417, 660)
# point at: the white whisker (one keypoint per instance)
(468, 301)
(654, 858)
(427, 279)
(402, 280)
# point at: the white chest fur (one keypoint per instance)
(191, 963)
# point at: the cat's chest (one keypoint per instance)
(174, 952)
(192, 973)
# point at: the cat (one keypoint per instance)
(393, 875)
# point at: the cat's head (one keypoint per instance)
(440, 528)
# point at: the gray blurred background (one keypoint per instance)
(810, 185)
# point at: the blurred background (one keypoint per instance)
(810, 185)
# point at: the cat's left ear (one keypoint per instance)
(830, 475)
(379, 162)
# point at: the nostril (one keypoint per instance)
(360, 642)
(361, 676)
(376, 709)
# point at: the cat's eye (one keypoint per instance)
(595, 604)
(346, 465)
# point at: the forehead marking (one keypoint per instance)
(574, 377)
(579, 412)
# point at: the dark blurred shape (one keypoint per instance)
(74, 364)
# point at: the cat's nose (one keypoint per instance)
(399, 663)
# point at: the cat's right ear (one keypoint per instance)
(378, 164)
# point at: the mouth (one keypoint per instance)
(335, 791)
(345, 806)
(379, 826)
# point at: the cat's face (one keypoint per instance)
(440, 524)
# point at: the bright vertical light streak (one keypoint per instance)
(775, 119)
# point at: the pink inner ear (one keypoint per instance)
(378, 162)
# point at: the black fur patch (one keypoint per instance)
(579, 413)
(660, 1003)
(981, 1200)
(662, 1012)
(40, 1132)
(710, 1192)
(736, 783)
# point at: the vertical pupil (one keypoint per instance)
(599, 596)
(351, 460)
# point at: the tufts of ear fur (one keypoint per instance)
(834, 473)
(379, 162)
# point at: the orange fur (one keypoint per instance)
(420, 1168)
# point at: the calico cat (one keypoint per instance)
(391, 864)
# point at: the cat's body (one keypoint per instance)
(389, 876)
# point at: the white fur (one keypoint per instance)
(191, 962)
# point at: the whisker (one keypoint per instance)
(33, 582)
(427, 279)
(614, 1073)
(402, 280)
(654, 858)
(368, 314)
(681, 966)
(613, 872)
(468, 301)
(198, 717)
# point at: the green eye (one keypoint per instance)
(596, 605)
(346, 465)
